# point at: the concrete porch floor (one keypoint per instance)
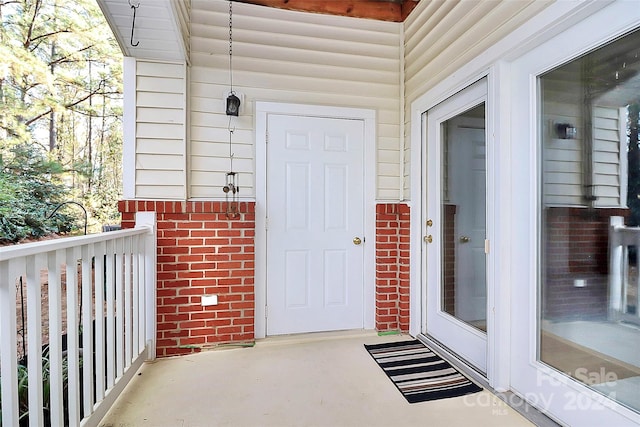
(305, 380)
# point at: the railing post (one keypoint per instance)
(148, 219)
(8, 355)
(615, 266)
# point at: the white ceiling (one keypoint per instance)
(160, 27)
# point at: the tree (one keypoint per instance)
(61, 97)
(29, 187)
(633, 187)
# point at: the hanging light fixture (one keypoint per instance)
(231, 188)
(233, 105)
(233, 102)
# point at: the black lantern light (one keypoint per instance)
(233, 104)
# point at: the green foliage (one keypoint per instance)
(30, 188)
(23, 388)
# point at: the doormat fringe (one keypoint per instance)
(419, 373)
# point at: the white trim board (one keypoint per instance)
(263, 109)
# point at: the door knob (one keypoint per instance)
(428, 239)
(465, 239)
(356, 241)
(429, 223)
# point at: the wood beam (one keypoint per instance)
(384, 10)
(407, 7)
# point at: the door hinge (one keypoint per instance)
(266, 138)
(486, 246)
(266, 223)
(266, 311)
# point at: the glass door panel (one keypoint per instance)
(463, 211)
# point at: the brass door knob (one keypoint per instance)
(356, 241)
(428, 239)
(429, 223)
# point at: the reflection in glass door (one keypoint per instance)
(455, 225)
(463, 195)
(589, 316)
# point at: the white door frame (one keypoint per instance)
(262, 111)
(493, 63)
(497, 297)
(510, 349)
(528, 374)
(470, 343)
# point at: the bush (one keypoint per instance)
(30, 188)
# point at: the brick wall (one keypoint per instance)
(201, 251)
(449, 259)
(392, 267)
(576, 247)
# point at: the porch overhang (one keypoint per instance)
(161, 30)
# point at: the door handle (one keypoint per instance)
(357, 241)
(428, 239)
(465, 239)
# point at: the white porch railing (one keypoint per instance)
(106, 282)
(624, 277)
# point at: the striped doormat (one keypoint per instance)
(419, 373)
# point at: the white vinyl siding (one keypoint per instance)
(293, 57)
(610, 156)
(442, 36)
(564, 182)
(160, 130)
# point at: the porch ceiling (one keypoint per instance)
(161, 30)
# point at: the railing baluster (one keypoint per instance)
(35, 264)
(87, 330)
(128, 317)
(8, 349)
(100, 253)
(135, 276)
(55, 338)
(621, 283)
(110, 317)
(616, 265)
(625, 278)
(119, 308)
(73, 353)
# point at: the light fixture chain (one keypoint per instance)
(231, 130)
(231, 44)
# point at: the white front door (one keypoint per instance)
(455, 224)
(315, 216)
